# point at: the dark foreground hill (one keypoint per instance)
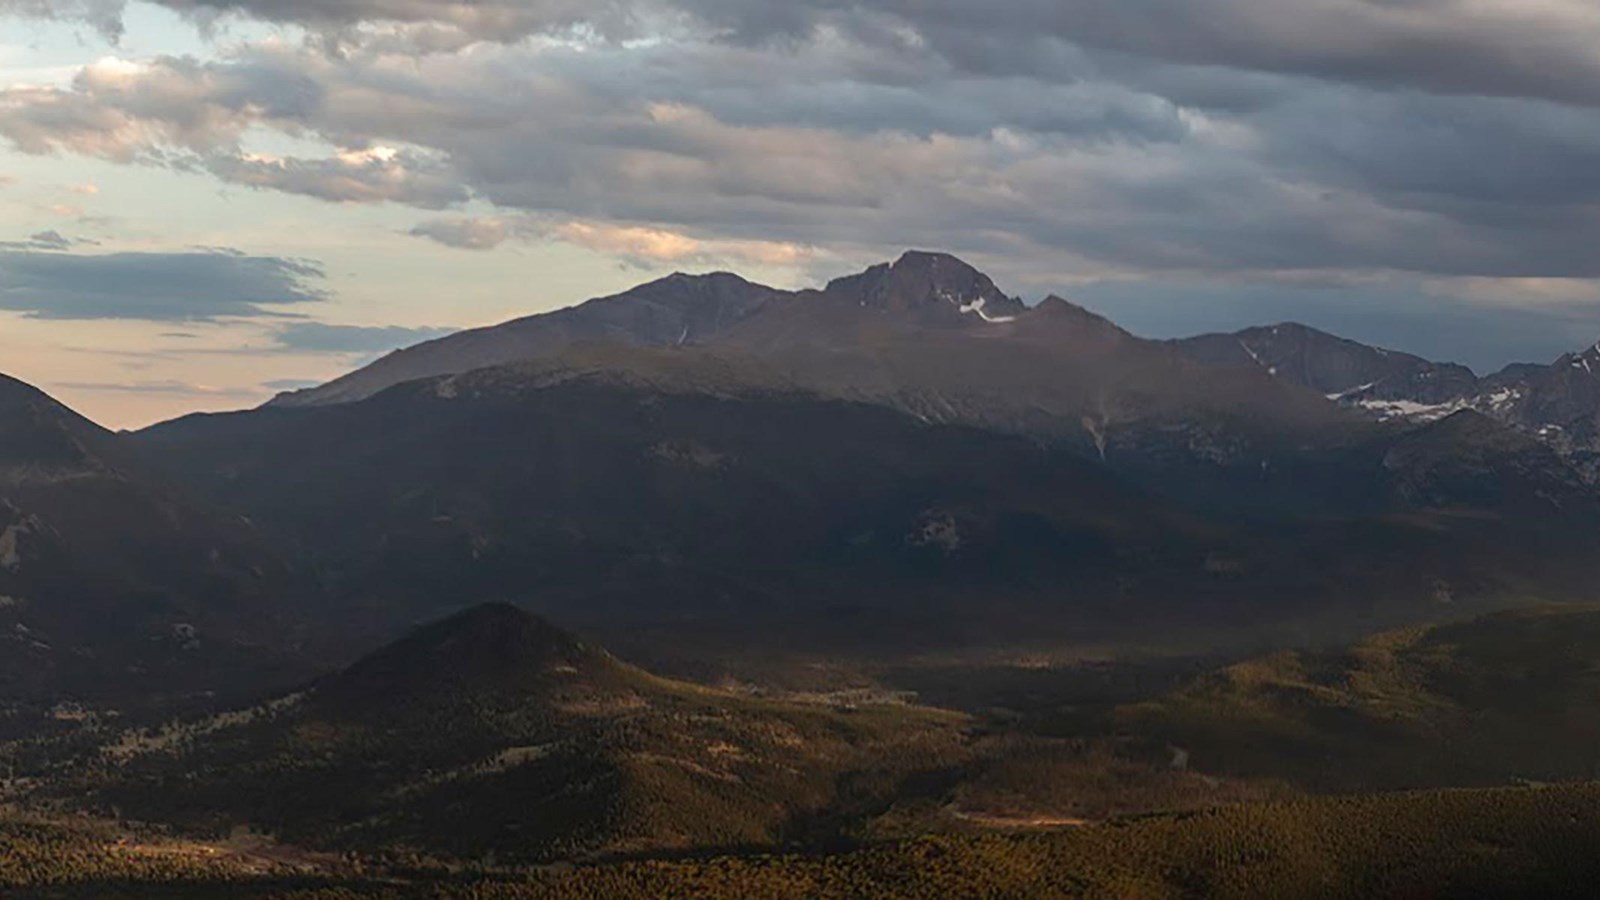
(494, 735)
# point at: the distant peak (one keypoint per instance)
(13, 390)
(924, 280)
(931, 258)
(1280, 329)
(38, 430)
(688, 278)
(1056, 308)
(1057, 305)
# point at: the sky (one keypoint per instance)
(203, 202)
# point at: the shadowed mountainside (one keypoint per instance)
(113, 582)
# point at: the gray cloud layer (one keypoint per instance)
(184, 286)
(1482, 47)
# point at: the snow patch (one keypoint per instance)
(1411, 409)
(1361, 389)
(1502, 398)
(1253, 355)
(976, 308)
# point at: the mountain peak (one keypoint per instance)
(1060, 314)
(693, 278)
(925, 281)
(38, 431)
(16, 394)
(1587, 360)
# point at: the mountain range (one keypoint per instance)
(1079, 372)
(1146, 577)
(706, 455)
(1557, 404)
(907, 458)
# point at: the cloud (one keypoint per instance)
(447, 23)
(1168, 139)
(1532, 48)
(319, 337)
(467, 233)
(179, 286)
(48, 240)
(103, 15)
(646, 247)
(291, 384)
(43, 240)
(353, 177)
(636, 245)
(182, 388)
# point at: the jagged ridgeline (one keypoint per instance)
(494, 733)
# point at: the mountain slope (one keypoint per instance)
(1335, 366)
(1557, 404)
(690, 501)
(926, 288)
(112, 583)
(492, 732)
(675, 310)
(929, 335)
(1506, 697)
(675, 494)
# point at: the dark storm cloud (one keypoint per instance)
(183, 286)
(1510, 48)
(1533, 48)
(1524, 48)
